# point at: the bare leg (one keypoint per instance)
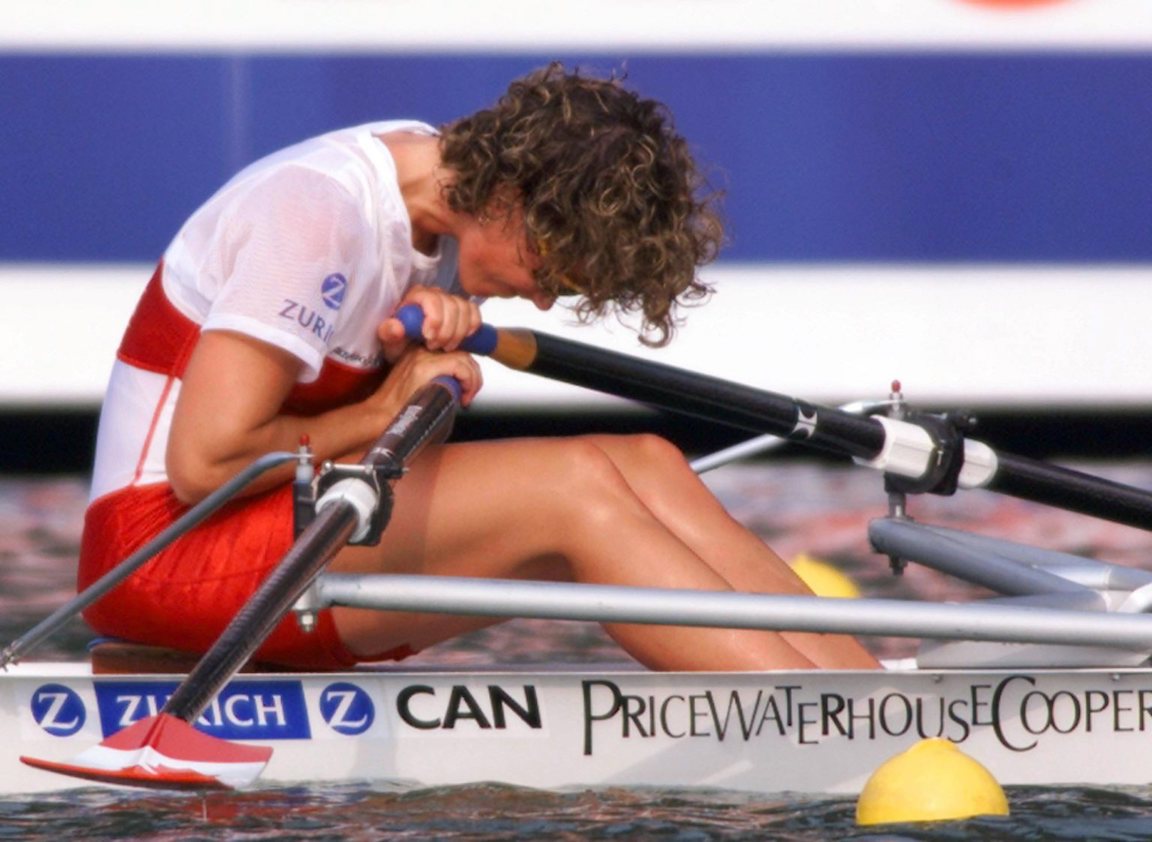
(660, 476)
(569, 509)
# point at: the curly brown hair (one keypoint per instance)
(613, 201)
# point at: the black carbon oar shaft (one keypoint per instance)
(688, 392)
(323, 538)
(713, 399)
(427, 416)
(725, 402)
(1064, 488)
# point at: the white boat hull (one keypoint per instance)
(812, 732)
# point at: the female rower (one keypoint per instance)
(270, 318)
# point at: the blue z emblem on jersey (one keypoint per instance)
(332, 291)
(347, 708)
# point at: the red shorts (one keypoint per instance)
(185, 596)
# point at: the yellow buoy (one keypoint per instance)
(931, 781)
(823, 578)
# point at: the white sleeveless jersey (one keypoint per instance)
(308, 249)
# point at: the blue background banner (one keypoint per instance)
(825, 156)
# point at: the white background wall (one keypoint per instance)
(1006, 335)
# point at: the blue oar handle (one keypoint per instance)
(482, 341)
(451, 384)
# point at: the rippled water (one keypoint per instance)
(797, 507)
(490, 812)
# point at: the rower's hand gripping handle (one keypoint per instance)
(482, 342)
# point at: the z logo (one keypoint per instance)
(58, 710)
(347, 708)
(332, 291)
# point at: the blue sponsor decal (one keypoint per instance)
(244, 710)
(57, 709)
(332, 291)
(346, 708)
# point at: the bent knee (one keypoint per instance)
(637, 466)
(655, 450)
(642, 454)
(586, 465)
(590, 488)
(610, 458)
